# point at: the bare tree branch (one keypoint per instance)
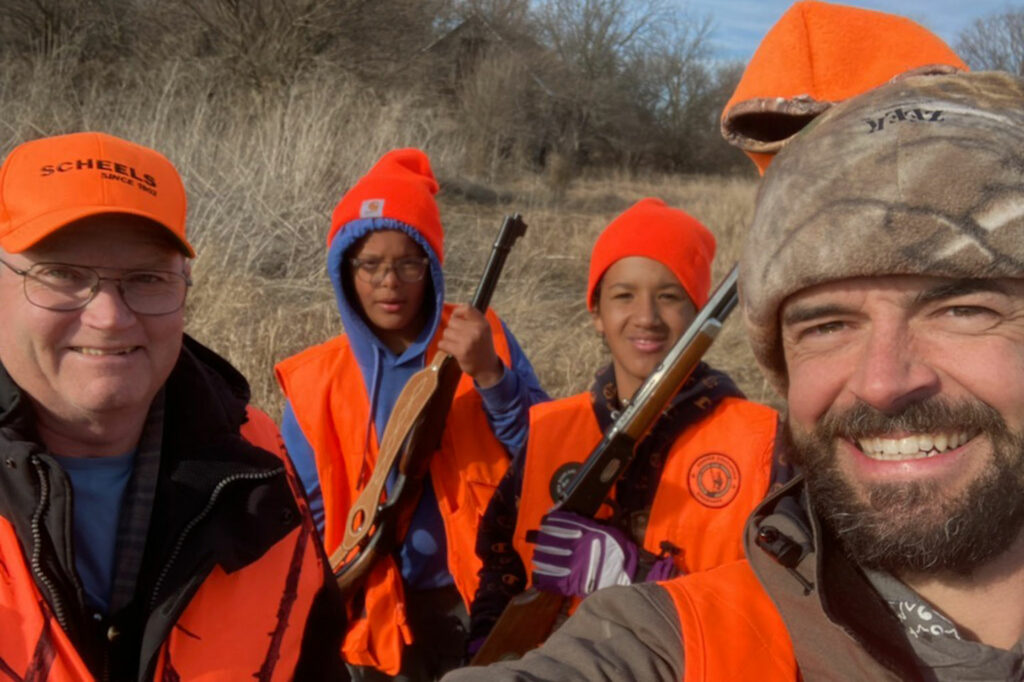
(995, 42)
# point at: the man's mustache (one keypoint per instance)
(926, 416)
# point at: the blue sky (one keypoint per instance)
(739, 25)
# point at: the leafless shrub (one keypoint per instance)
(499, 105)
(58, 28)
(269, 42)
(995, 42)
(515, 14)
(633, 85)
(596, 83)
(559, 172)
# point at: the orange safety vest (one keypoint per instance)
(731, 629)
(234, 626)
(328, 396)
(716, 472)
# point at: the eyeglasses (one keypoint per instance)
(62, 287)
(374, 270)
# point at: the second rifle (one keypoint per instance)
(530, 616)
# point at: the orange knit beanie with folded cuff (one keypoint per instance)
(652, 229)
(817, 55)
(400, 186)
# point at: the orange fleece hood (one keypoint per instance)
(817, 55)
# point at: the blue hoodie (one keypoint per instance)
(423, 556)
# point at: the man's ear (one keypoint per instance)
(186, 268)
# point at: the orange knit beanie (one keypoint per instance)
(400, 187)
(654, 230)
(817, 55)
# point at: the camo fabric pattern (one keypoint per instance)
(921, 176)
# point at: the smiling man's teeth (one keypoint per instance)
(103, 351)
(911, 447)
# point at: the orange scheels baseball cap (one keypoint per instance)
(48, 183)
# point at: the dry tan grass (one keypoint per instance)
(264, 174)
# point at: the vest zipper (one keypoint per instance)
(199, 518)
(37, 540)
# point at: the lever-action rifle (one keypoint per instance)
(375, 525)
(529, 616)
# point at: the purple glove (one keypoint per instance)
(662, 569)
(575, 555)
(473, 646)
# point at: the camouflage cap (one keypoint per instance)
(920, 176)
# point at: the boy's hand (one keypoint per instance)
(467, 338)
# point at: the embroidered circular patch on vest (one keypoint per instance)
(714, 479)
(561, 479)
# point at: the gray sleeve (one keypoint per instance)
(619, 633)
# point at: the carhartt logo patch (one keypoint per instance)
(561, 479)
(372, 208)
(714, 480)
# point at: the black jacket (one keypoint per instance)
(219, 500)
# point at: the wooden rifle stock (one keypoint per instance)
(530, 616)
(375, 525)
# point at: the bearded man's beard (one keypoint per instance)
(916, 526)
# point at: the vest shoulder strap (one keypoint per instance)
(731, 628)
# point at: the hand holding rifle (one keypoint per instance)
(468, 339)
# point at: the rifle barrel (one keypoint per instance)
(512, 228)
